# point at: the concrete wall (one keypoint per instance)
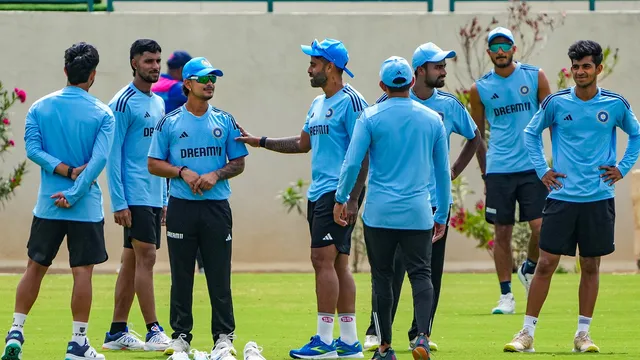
(266, 88)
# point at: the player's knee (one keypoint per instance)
(146, 259)
(320, 259)
(547, 265)
(535, 226)
(589, 266)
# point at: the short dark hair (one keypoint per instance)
(325, 62)
(583, 48)
(399, 89)
(79, 61)
(140, 46)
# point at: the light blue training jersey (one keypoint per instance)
(509, 104)
(202, 143)
(130, 182)
(73, 127)
(584, 138)
(406, 141)
(330, 123)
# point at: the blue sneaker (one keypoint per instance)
(348, 351)
(76, 351)
(13, 347)
(390, 354)
(123, 340)
(156, 339)
(315, 349)
(421, 350)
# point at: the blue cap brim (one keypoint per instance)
(207, 71)
(443, 55)
(309, 50)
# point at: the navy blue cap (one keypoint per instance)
(177, 59)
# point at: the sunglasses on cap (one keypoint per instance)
(204, 79)
(497, 47)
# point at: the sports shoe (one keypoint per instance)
(223, 349)
(421, 349)
(506, 305)
(123, 340)
(180, 355)
(525, 278)
(371, 342)
(583, 343)
(156, 339)
(253, 352)
(178, 345)
(432, 346)
(199, 355)
(13, 346)
(315, 349)
(348, 351)
(388, 355)
(76, 351)
(522, 342)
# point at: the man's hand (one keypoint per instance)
(453, 174)
(550, 180)
(352, 211)
(340, 214)
(438, 231)
(163, 219)
(60, 200)
(611, 174)
(77, 171)
(247, 138)
(191, 178)
(123, 217)
(206, 181)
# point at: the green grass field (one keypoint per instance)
(278, 311)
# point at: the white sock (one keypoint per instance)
(79, 332)
(530, 324)
(583, 324)
(348, 331)
(18, 322)
(325, 327)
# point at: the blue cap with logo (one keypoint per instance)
(330, 49)
(396, 72)
(199, 67)
(429, 52)
(177, 59)
(500, 32)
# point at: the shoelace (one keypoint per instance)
(131, 337)
(159, 338)
(197, 355)
(179, 356)
(254, 350)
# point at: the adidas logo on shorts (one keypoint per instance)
(228, 237)
(327, 237)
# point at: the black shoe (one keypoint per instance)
(388, 355)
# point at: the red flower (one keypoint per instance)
(480, 205)
(21, 94)
(11, 143)
(13, 180)
(465, 92)
(6, 121)
(490, 244)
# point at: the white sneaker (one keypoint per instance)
(199, 355)
(178, 345)
(583, 343)
(253, 352)
(522, 342)
(506, 305)
(76, 351)
(179, 355)
(371, 342)
(223, 349)
(158, 340)
(126, 340)
(525, 279)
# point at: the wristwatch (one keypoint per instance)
(70, 171)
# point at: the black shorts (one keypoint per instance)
(85, 241)
(199, 220)
(588, 225)
(503, 190)
(145, 226)
(324, 230)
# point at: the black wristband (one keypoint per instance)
(180, 171)
(263, 141)
(70, 171)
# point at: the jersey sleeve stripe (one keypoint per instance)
(228, 115)
(486, 76)
(616, 96)
(452, 97)
(162, 121)
(382, 98)
(121, 105)
(355, 99)
(546, 101)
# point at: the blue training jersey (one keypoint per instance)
(584, 138)
(406, 142)
(73, 127)
(509, 104)
(202, 143)
(456, 119)
(130, 182)
(330, 124)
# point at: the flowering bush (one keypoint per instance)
(9, 183)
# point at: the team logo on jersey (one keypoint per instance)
(329, 113)
(602, 116)
(312, 115)
(217, 133)
(441, 115)
(524, 90)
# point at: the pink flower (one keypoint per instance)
(13, 180)
(480, 205)
(6, 121)
(490, 244)
(465, 91)
(21, 94)
(11, 143)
